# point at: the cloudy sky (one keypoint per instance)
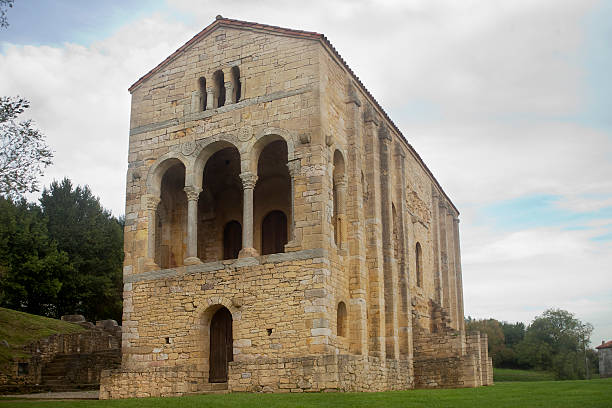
(508, 102)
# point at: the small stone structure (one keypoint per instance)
(605, 359)
(281, 233)
(65, 361)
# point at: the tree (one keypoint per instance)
(23, 151)
(93, 240)
(556, 341)
(4, 5)
(32, 269)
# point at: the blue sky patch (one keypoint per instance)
(75, 21)
(538, 211)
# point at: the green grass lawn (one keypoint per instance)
(19, 328)
(592, 393)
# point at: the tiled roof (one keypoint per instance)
(228, 22)
(605, 345)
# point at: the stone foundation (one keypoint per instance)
(297, 374)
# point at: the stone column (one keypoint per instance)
(459, 276)
(229, 93)
(390, 275)
(196, 101)
(151, 203)
(210, 98)
(294, 167)
(192, 225)
(248, 185)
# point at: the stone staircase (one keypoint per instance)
(67, 372)
(211, 388)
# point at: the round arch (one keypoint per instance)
(206, 149)
(265, 137)
(159, 168)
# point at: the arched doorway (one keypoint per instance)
(274, 233)
(221, 345)
(232, 240)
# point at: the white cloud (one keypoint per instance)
(79, 99)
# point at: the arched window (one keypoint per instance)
(274, 233)
(220, 207)
(232, 240)
(419, 265)
(171, 218)
(237, 86)
(203, 94)
(219, 89)
(271, 197)
(341, 322)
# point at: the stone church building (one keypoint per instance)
(281, 233)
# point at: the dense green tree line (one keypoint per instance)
(555, 341)
(61, 256)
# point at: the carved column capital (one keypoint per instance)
(435, 194)
(370, 115)
(442, 205)
(192, 193)
(151, 202)
(294, 167)
(248, 180)
(400, 152)
(456, 220)
(340, 182)
(384, 135)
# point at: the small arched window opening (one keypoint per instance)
(419, 265)
(203, 94)
(339, 200)
(236, 85)
(274, 233)
(232, 240)
(341, 321)
(219, 89)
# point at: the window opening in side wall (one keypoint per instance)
(236, 84)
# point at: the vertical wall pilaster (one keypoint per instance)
(294, 167)
(444, 254)
(390, 275)
(452, 276)
(404, 312)
(459, 275)
(192, 225)
(376, 319)
(435, 200)
(355, 220)
(151, 202)
(248, 185)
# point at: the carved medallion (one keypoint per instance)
(188, 148)
(245, 134)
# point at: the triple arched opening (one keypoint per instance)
(219, 223)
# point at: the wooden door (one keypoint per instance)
(221, 345)
(232, 240)
(274, 233)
